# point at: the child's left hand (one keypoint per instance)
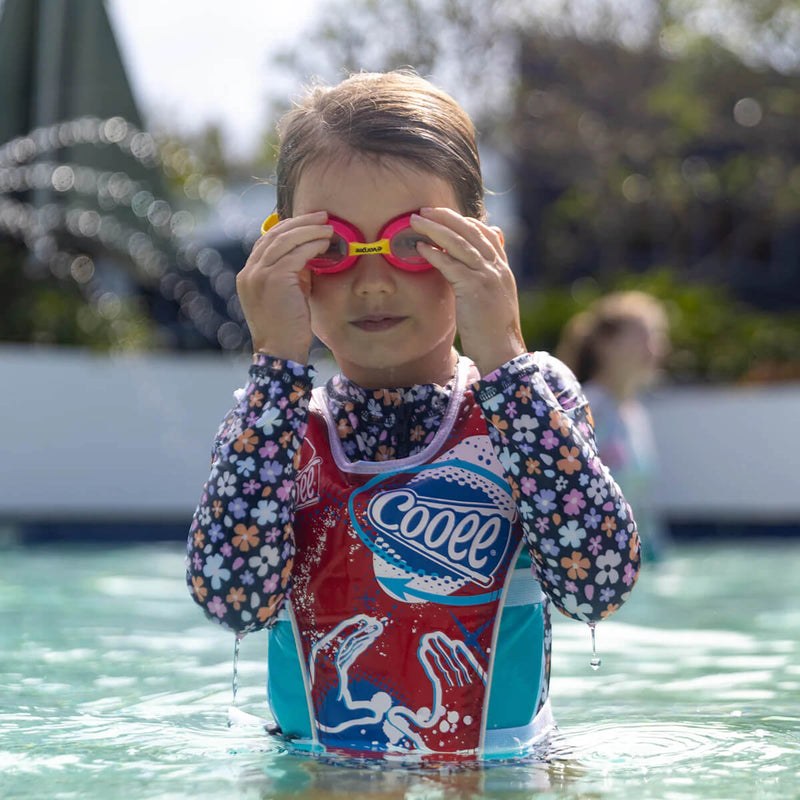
(475, 264)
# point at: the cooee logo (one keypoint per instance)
(468, 538)
(360, 251)
(306, 482)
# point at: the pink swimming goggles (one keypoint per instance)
(397, 243)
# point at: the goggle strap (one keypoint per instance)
(269, 222)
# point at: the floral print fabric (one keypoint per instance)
(578, 527)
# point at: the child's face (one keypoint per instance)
(386, 327)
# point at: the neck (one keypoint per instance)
(620, 387)
(437, 370)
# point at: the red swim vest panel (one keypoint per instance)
(398, 579)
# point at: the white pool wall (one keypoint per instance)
(128, 437)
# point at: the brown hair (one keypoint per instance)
(394, 114)
(603, 319)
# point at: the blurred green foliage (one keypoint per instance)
(715, 337)
(656, 151)
(43, 309)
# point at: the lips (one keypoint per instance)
(377, 322)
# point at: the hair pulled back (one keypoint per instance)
(394, 114)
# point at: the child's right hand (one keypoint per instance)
(274, 285)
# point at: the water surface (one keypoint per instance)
(114, 685)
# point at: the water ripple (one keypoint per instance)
(646, 746)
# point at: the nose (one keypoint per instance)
(373, 274)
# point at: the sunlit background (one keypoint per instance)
(643, 145)
(627, 144)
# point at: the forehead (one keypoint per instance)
(368, 191)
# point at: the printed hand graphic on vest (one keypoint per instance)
(449, 664)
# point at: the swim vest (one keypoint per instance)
(415, 624)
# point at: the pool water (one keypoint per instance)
(114, 685)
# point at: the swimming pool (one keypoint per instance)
(114, 685)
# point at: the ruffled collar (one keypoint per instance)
(385, 424)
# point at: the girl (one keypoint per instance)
(616, 348)
(403, 531)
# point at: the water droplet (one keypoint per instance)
(595, 661)
(235, 682)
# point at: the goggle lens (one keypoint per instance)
(404, 248)
(337, 257)
(333, 256)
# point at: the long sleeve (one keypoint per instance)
(241, 540)
(578, 526)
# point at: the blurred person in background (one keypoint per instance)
(616, 348)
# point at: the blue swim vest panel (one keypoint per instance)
(289, 704)
(518, 670)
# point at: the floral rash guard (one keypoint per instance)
(577, 528)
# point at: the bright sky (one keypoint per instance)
(196, 61)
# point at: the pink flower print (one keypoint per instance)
(548, 440)
(216, 606)
(629, 575)
(272, 535)
(595, 545)
(542, 524)
(573, 502)
(271, 584)
(285, 491)
(528, 485)
(268, 450)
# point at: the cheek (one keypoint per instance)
(438, 293)
(322, 306)
(447, 305)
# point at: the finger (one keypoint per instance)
(291, 226)
(445, 659)
(499, 236)
(490, 234)
(312, 218)
(459, 238)
(454, 270)
(276, 228)
(250, 277)
(294, 248)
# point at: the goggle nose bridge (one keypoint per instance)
(380, 247)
